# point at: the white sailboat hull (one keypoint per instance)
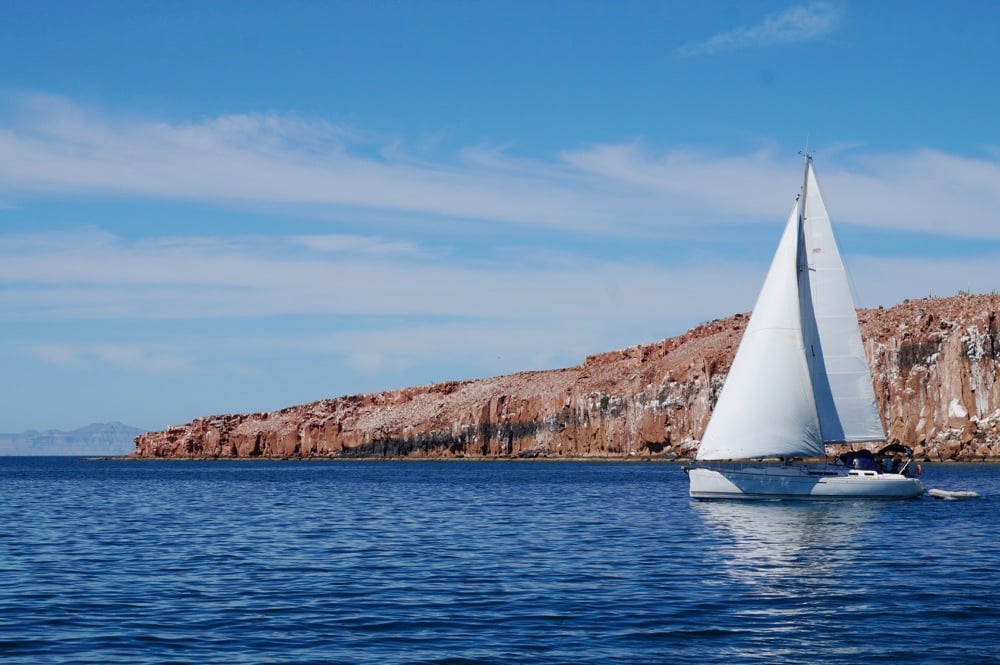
(799, 482)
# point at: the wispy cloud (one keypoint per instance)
(887, 280)
(385, 318)
(355, 245)
(56, 147)
(366, 316)
(60, 355)
(93, 275)
(130, 357)
(923, 190)
(801, 23)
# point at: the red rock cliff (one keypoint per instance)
(934, 366)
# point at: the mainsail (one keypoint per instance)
(800, 376)
(766, 407)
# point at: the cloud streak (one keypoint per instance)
(383, 320)
(131, 357)
(801, 23)
(95, 275)
(381, 303)
(92, 275)
(60, 147)
(53, 147)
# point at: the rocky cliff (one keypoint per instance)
(934, 365)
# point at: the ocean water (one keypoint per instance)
(481, 562)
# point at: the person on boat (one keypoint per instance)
(862, 460)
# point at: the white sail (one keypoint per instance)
(842, 382)
(766, 407)
(799, 380)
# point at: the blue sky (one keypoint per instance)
(239, 206)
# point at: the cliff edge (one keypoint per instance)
(934, 365)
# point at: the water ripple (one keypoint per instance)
(368, 562)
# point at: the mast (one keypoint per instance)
(812, 346)
(806, 158)
(802, 260)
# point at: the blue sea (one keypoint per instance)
(105, 561)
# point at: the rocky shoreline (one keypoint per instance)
(934, 366)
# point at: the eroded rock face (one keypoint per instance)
(934, 367)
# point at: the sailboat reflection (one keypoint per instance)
(781, 573)
(777, 543)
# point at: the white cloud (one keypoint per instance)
(139, 358)
(888, 281)
(60, 355)
(801, 23)
(96, 276)
(130, 357)
(402, 319)
(500, 323)
(693, 184)
(63, 148)
(624, 189)
(355, 244)
(924, 190)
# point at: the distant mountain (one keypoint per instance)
(95, 439)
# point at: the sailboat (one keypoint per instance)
(799, 381)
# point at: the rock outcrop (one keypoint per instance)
(934, 366)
